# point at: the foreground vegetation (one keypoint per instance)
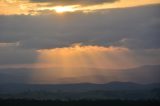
(25, 102)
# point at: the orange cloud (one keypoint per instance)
(86, 56)
(26, 7)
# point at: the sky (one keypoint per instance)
(79, 40)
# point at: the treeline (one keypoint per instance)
(25, 102)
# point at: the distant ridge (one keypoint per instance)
(112, 90)
(13, 88)
(143, 74)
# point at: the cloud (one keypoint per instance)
(98, 56)
(78, 55)
(73, 2)
(136, 28)
(133, 31)
(86, 56)
(41, 7)
(108, 38)
(4, 44)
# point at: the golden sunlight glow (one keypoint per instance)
(120, 4)
(85, 56)
(78, 61)
(25, 7)
(61, 9)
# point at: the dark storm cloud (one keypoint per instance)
(71, 2)
(136, 27)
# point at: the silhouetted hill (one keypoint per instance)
(25, 102)
(112, 90)
(129, 89)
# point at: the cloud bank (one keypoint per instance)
(41, 7)
(72, 2)
(114, 38)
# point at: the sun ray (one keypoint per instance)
(81, 62)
